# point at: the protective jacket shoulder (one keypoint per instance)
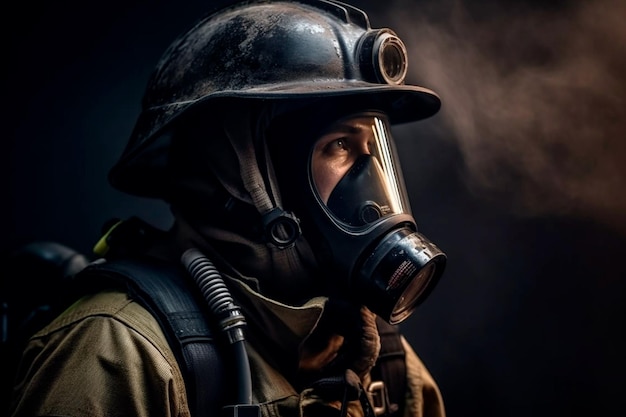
(125, 364)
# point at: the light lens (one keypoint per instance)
(383, 58)
(392, 59)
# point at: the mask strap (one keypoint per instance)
(240, 136)
(281, 228)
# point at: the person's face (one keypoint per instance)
(336, 150)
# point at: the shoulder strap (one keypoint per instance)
(161, 288)
(390, 368)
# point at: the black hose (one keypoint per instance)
(229, 315)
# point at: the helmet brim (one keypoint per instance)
(137, 173)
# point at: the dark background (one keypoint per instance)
(520, 177)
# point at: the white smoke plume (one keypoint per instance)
(536, 99)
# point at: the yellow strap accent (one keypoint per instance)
(102, 246)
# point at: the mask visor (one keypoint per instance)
(356, 172)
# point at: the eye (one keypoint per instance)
(336, 146)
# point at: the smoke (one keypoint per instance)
(536, 99)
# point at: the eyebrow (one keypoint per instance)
(345, 128)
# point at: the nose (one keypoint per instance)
(364, 147)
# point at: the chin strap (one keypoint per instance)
(241, 137)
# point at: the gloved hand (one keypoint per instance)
(345, 338)
(341, 396)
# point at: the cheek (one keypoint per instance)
(326, 175)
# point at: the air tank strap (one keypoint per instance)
(161, 288)
(388, 387)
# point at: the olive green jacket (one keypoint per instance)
(107, 356)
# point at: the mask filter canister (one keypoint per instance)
(399, 274)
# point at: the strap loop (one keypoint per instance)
(281, 228)
(377, 394)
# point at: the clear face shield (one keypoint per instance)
(355, 173)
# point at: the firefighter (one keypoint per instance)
(267, 129)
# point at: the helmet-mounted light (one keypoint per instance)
(383, 57)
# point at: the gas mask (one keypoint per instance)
(355, 211)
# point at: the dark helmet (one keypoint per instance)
(270, 50)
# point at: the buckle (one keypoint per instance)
(377, 394)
